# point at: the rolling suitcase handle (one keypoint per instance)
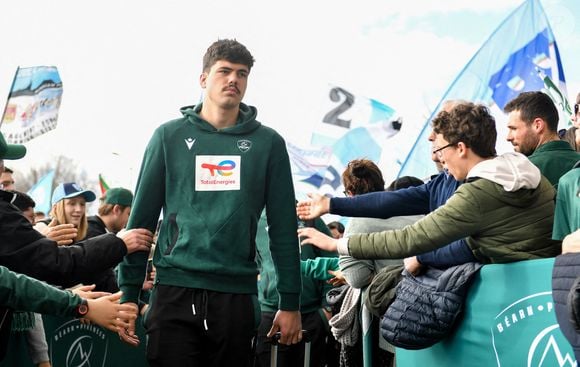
(306, 338)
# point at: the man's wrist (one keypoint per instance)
(82, 309)
(342, 246)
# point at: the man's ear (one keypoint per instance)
(203, 79)
(117, 209)
(462, 149)
(539, 125)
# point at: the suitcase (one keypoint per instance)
(306, 339)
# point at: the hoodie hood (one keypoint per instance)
(246, 120)
(513, 171)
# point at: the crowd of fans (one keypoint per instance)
(481, 208)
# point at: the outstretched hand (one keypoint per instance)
(62, 234)
(138, 239)
(108, 313)
(311, 236)
(313, 208)
(337, 279)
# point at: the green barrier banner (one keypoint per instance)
(73, 344)
(508, 321)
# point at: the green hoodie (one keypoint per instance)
(212, 186)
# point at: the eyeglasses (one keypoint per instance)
(439, 151)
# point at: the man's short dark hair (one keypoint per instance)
(533, 105)
(471, 124)
(228, 50)
(336, 225)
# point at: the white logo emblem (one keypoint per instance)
(189, 142)
(244, 145)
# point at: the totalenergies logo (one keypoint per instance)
(222, 167)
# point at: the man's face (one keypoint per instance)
(225, 84)
(576, 115)
(448, 157)
(522, 136)
(121, 219)
(335, 233)
(6, 180)
(29, 214)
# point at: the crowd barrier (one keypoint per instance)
(72, 344)
(509, 320)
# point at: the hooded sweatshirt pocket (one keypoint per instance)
(173, 232)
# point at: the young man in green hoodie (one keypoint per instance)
(212, 172)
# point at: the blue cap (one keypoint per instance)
(69, 190)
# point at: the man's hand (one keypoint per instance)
(108, 313)
(311, 236)
(338, 278)
(289, 324)
(86, 291)
(571, 242)
(313, 208)
(62, 234)
(127, 332)
(138, 239)
(412, 265)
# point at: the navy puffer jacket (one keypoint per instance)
(427, 307)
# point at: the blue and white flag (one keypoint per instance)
(41, 193)
(33, 104)
(354, 127)
(506, 65)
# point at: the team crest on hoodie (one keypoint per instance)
(244, 145)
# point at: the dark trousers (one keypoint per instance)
(195, 327)
(293, 355)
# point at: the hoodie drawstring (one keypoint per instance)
(204, 303)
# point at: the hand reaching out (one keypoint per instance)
(316, 238)
(313, 208)
(62, 234)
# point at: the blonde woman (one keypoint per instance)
(68, 222)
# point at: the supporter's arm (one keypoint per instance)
(26, 251)
(456, 253)
(318, 268)
(457, 219)
(384, 204)
(23, 293)
(357, 272)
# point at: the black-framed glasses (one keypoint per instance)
(439, 151)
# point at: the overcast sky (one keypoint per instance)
(128, 66)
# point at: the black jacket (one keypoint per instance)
(106, 280)
(566, 270)
(25, 250)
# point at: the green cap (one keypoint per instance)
(11, 151)
(118, 195)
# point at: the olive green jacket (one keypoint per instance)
(499, 225)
